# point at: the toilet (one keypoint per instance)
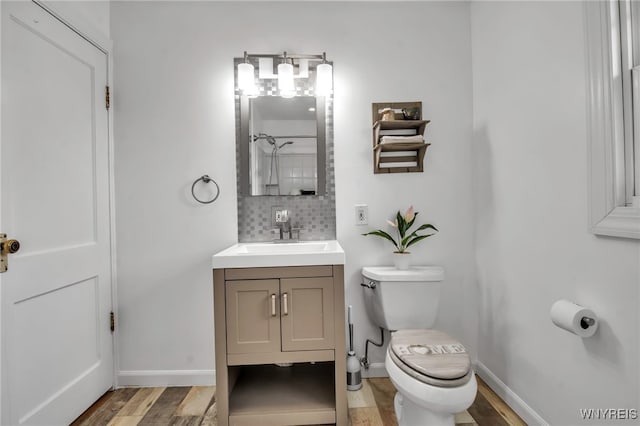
(431, 370)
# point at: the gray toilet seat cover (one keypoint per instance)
(433, 354)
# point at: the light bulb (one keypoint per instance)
(285, 79)
(324, 79)
(252, 92)
(245, 77)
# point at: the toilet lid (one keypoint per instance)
(431, 356)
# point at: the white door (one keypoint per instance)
(56, 294)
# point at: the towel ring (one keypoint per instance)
(205, 179)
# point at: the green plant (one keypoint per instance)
(402, 224)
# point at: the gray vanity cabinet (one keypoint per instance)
(280, 315)
(291, 314)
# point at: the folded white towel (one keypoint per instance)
(402, 139)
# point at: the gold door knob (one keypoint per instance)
(7, 247)
(10, 246)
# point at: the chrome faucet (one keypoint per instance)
(285, 230)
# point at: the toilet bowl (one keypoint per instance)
(433, 376)
(431, 371)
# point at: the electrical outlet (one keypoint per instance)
(282, 216)
(279, 214)
(362, 214)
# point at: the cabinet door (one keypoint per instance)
(253, 316)
(307, 313)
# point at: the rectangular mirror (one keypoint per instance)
(282, 145)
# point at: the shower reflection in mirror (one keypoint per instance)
(283, 152)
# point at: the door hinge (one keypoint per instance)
(112, 318)
(107, 97)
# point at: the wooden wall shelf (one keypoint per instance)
(398, 157)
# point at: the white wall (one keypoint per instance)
(174, 121)
(420, 51)
(533, 247)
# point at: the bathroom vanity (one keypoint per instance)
(280, 334)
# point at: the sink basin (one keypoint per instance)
(251, 255)
(271, 248)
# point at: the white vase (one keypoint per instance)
(402, 260)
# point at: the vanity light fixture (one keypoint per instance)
(290, 67)
(324, 79)
(246, 79)
(285, 78)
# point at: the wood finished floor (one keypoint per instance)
(195, 406)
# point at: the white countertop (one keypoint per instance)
(303, 253)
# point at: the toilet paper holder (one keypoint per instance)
(574, 318)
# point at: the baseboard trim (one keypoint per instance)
(375, 369)
(153, 378)
(516, 403)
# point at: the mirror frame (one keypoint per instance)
(242, 141)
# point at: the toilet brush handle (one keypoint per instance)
(350, 338)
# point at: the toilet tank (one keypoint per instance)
(402, 299)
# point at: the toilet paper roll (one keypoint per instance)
(574, 318)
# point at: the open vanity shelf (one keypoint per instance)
(398, 157)
(269, 315)
(284, 395)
